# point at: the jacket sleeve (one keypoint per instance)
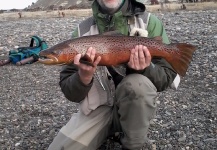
(70, 83)
(160, 72)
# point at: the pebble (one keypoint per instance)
(184, 106)
(17, 144)
(181, 139)
(32, 104)
(211, 139)
(214, 69)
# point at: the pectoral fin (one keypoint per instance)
(86, 60)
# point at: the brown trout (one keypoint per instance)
(115, 50)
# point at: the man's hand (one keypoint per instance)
(85, 71)
(140, 58)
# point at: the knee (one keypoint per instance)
(136, 84)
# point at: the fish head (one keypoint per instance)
(58, 54)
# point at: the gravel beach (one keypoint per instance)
(33, 109)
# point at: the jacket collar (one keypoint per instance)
(119, 20)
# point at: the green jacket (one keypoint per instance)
(159, 72)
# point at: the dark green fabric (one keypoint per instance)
(159, 72)
(71, 83)
(107, 22)
(155, 28)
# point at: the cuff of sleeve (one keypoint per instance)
(77, 79)
(131, 71)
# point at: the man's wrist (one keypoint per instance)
(86, 80)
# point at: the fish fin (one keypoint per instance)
(86, 60)
(180, 61)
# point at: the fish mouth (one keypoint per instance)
(48, 60)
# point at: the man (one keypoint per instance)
(116, 100)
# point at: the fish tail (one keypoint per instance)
(181, 61)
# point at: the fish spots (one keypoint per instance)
(71, 53)
(172, 49)
(64, 52)
(71, 59)
(156, 47)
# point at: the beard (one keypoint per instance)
(110, 6)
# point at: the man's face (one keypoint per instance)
(110, 4)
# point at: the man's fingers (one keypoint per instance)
(88, 52)
(140, 58)
(92, 53)
(136, 55)
(141, 54)
(147, 55)
(77, 59)
(131, 61)
(96, 62)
